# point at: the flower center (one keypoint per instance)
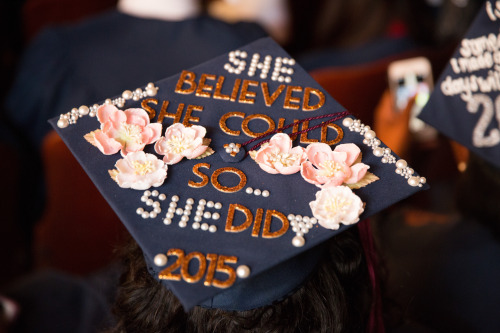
(129, 133)
(336, 205)
(330, 168)
(143, 168)
(285, 159)
(177, 144)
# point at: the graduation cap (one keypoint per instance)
(465, 104)
(231, 174)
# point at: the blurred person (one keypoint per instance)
(66, 66)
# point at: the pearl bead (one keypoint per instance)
(127, 94)
(370, 134)
(210, 204)
(172, 204)
(156, 204)
(153, 215)
(150, 91)
(169, 215)
(175, 198)
(157, 210)
(179, 211)
(83, 110)
(197, 219)
(162, 197)
(189, 201)
(243, 271)
(257, 192)
(212, 228)
(378, 152)
(291, 217)
(218, 205)
(196, 225)
(139, 211)
(249, 190)
(160, 260)
(207, 215)
(202, 202)
(298, 241)
(145, 215)
(229, 150)
(265, 193)
(401, 164)
(215, 216)
(62, 123)
(298, 218)
(204, 226)
(149, 202)
(167, 221)
(185, 218)
(413, 181)
(182, 224)
(347, 122)
(313, 220)
(155, 193)
(423, 180)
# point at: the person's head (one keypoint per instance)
(336, 297)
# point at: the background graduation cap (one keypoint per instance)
(465, 104)
(226, 218)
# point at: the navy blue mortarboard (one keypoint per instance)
(231, 174)
(465, 104)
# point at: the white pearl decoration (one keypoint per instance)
(298, 241)
(151, 203)
(385, 154)
(300, 226)
(257, 192)
(160, 260)
(74, 114)
(243, 271)
(185, 213)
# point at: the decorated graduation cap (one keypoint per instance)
(231, 174)
(465, 104)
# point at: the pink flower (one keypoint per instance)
(180, 141)
(128, 131)
(326, 167)
(139, 170)
(278, 156)
(335, 205)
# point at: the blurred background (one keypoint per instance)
(53, 219)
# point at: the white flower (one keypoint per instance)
(139, 170)
(335, 205)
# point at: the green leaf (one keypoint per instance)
(366, 180)
(207, 153)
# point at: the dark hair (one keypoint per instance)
(336, 298)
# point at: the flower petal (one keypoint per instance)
(282, 141)
(137, 117)
(106, 145)
(358, 172)
(351, 150)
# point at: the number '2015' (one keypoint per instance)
(217, 263)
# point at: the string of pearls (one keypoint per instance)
(72, 116)
(257, 192)
(370, 139)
